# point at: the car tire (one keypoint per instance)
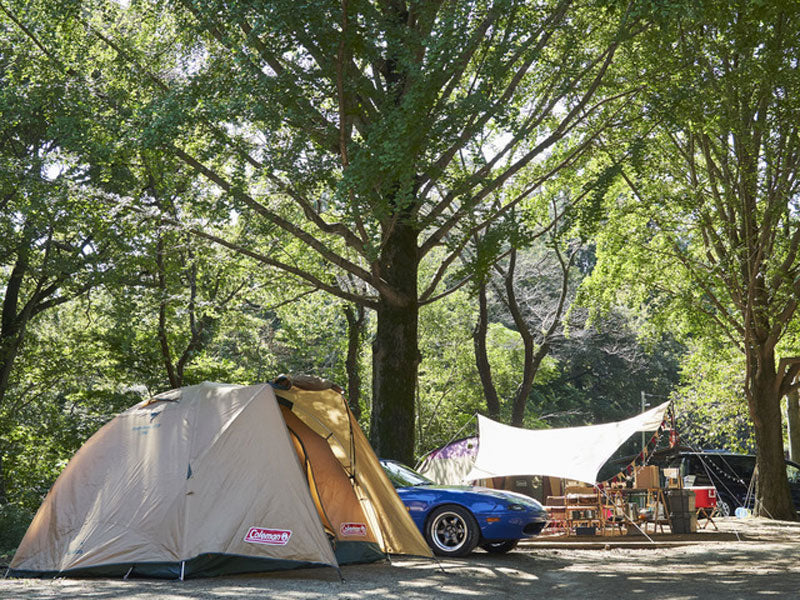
(724, 508)
(501, 547)
(451, 530)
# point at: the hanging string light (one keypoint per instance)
(643, 458)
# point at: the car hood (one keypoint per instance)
(507, 496)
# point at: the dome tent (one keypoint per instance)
(205, 480)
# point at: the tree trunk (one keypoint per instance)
(521, 395)
(482, 357)
(395, 355)
(12, 333)
(166, 354)
(793, 424)
(772, 487)
(10, 342)
(531, 364)
(355, 328)
(3, 497)
(524, 389)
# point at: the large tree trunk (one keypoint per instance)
(793, 424)
(772, 487)
(166, 354)
(482, 356)
(395, 356)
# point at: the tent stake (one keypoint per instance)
(128, 573)
(183, 566)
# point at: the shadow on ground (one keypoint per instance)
(748, 569)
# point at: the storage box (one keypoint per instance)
(680, 500)
(647, 477)
(588, 530)
(683, 522)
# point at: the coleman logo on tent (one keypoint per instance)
(353, 529)
(271, 537)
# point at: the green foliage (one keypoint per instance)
(709, 405)
(14, 522)
(448, 386)
(100, 112)
(450, 391)
(65, 388)
(602, 368)
(310, 336)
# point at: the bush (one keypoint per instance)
(14, 521)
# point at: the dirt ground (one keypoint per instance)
(759, 559)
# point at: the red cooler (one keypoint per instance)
(704, 497)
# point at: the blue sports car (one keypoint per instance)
(456, 519)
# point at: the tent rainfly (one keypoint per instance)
(450, 464)
(214, 479)
(571, 453)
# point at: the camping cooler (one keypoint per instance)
(704, 497)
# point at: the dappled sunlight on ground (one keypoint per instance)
(755, 568)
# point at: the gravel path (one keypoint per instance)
(766, 563)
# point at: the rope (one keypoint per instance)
(642, 531)
(704, 464)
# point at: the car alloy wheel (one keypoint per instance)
(452, 531)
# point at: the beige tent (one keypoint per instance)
(214, 479)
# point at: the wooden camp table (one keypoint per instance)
(649, 500)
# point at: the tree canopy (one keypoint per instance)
(533, 209)
(704, 229)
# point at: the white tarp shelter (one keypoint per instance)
(571, 453)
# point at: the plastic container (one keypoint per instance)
(705, 497)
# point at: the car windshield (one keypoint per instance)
(402, 476)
